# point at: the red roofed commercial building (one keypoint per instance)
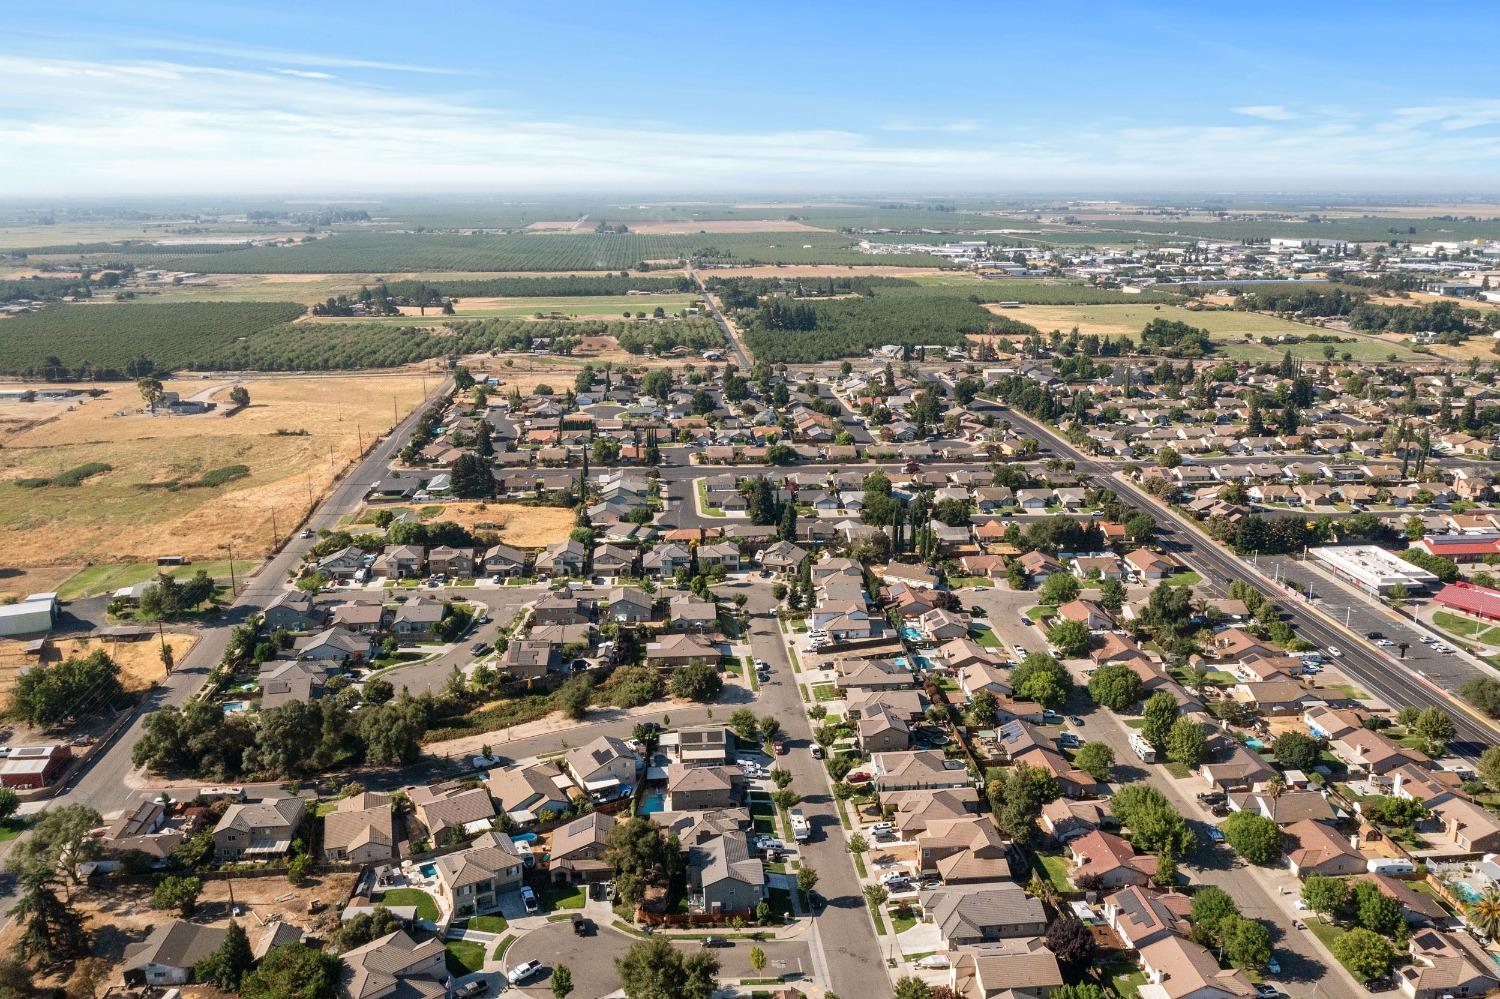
(1461, 547)
(1466, 598)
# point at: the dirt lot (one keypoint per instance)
(139, 661)
(523, 526)
(122, 914)
(129, 514)
(17, 583)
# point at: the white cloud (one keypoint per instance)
(75, 127)
(1268, 112)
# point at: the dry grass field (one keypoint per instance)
(129, 514)
(522, 526)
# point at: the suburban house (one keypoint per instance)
(604, 767)
(167, 956)
(1142, 916)
(449, 810)
(292, 610)
(1177, 968)
(258, 829)
(1109, 859)
(1316, 848)
(694, 788)
(923, 769)
(1447, 964)
(681, 650)
(969, 915)
(473, 880)
(1005, 969)
(394, 966)
(725, 876)
(360, 829)
(577, 853)
(529, 794)
(418, 616)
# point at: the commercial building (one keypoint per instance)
(1467, 598)
(1375, 570)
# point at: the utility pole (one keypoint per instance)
(275, 535)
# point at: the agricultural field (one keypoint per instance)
(157, 496)
(1042, 292)
(366, 252)
(109, 336)
(1236, 334)
(566, 307)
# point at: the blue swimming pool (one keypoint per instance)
(910, 633)
(236, 707)
(526, 837)
(1255, 743)
(1466, 892)
(428, 870)
(653, 803)
(901, 661)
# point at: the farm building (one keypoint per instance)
(34, 766)
(32, 616)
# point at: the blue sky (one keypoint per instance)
(370, 97)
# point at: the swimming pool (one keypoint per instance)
(910, 633)
(236, 707)
(654, 802)
(1466, 892)
(901, 661)
(1255, 743)
(428, 870)
(526, 837)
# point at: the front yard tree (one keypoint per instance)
(696, 682)
(1296, 750)
(1157, 719)
(1367, 955)
(1324, 895)
(1115, 686)
(1247, 943)
(1435, 728)
(1071, 638)
(151, 390)
(1375, 910)
(1186, 743)
(1095, 759)
(654, 969)
(1112, 595)
(1059, 589)
(470, 477)
(1254, 837)
(1211, 909)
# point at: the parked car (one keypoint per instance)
(892, 877)
(716, 942)
(1215, 835)
(761, 665)
(1075, 721)
(1021, 651)
(521, 972)
(1264, 991)
(1273, 966)
(479, 648)
(477, 987)
(582, 925)
(528, 899)
(817, 752)
(306, 533)
(1026, 621)
(977, 611)
(883, 828)
(1384, 643)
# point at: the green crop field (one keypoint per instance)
(110, 336)
(1039, 292)
(373, 251)
(582, 307)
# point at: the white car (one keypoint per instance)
(1335, 651)
(528, 899)
(883, 828)
(1384, 643)
(521, 972)
(1021, 651)
(761, 666)
(1427, 640)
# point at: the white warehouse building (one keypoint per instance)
(32, 616)
(1375, 570)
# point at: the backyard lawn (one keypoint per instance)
(425, 904)
(463, 957)
(1055, 870)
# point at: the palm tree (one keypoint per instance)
(1485, 914)
(1276, 787)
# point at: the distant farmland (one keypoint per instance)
(172, 334)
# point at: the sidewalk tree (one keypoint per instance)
(1325, 895)
(757, 958)
(1095, 759)
(1367, 955)
(1254, 837)
(912, 988)
(1211, 908)
(1246, 942)
(1071, 638)
(1158, 718)
(1186, 743)
(1059, 589)
(1115, 686)
(1155, 825)
(876, 895)
(1435, 728)
(807, 879)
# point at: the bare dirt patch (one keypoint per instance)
(16, 583)
(296, 432)
(139, 661)
(522, 526)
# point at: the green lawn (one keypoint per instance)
(95, 579)
(985, 637)
(425, 903)
(11, 828)
(899, 923)
(977, 582)
(463, 957)
(502, 947)
(1125, 979)
(879, 920)
(703, 501)
(1326, 933)
(826, 692)
(1465, 628)
(1188, 578)
(562, 897)
(1041, 612)
(488, 924)
(1055, 870)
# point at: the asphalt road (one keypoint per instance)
(850, 947)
